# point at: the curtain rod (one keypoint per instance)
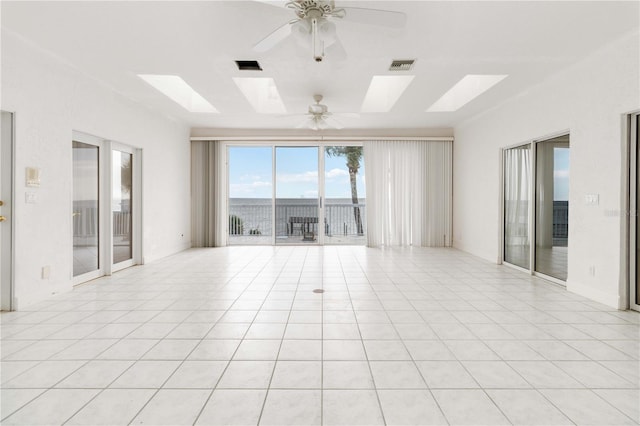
(320, 138)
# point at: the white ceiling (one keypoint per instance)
(116, 40)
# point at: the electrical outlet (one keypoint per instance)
(46, 272)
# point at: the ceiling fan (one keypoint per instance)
(319, 117)
(314, 20)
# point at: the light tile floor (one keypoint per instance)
(401, 336)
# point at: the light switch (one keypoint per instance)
(30, 198)
(592, 199)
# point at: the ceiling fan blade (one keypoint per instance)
(336, 51)
(347, 114)
(307, 123)
(332, 122)
(383, 18)
(276, 37)
(277, 3)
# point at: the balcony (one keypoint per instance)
(296, 221)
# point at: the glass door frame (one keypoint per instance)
(103, 194)
(274, 176)
(532, 206)
(136, 216)
(633, 262)
(289, 143)
(530, 213)
(7, 195)
(105, 226)
(534, 182)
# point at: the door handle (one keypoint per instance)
(2, 218)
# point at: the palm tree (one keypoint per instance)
(353, 154)
(126, 181)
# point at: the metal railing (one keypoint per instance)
(560, 223)
(293, 218)
(85, 222)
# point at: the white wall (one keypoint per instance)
(51, 100)
(589, 100)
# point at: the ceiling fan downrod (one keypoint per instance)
(318, 45)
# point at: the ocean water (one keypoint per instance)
(255, 216)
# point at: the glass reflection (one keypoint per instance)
(85, 208)
(121, 207)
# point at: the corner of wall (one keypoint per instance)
(608, 299)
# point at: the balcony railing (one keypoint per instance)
(295, 218)
(85, 221)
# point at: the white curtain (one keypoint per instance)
(409, 193)
(208, 223)
(517, 181)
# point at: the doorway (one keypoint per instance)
(299, 214)
(536, 207)
(6, 211)
(297, 194)
(552, 207)
(106, 213)
(634, 207)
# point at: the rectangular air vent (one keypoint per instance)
(248, 66)
(402, 65)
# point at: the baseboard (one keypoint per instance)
(20, 303)
(612, 300)
(161, 255)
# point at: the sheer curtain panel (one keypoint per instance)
(408, 193)
(517, 183)
(207, 194)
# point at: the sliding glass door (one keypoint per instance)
(106, 189)
(122, 206)
(548, 252)
(6, 210)
(296, 194)
(298, 218)
(86, 212)
(552, 207)
(250, 195)
(345, 203)
(634, 208)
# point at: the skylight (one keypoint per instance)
(384, 91)
(470, 87)
(262, 94)
(179, 91)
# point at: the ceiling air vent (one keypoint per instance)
(248, 66)
(402, 65)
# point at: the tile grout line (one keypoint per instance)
(364, 348)
(408, 352)
(275, 364)
(139, 359)
(215, 387)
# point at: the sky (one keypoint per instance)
(561, 174)
(250, 173)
